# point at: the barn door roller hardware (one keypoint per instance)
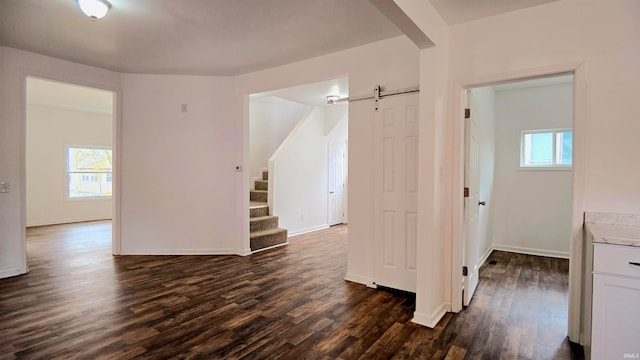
(378, 94)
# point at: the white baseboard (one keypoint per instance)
(65, 221)
(364, 280)
(180, 252)
(308, 230)
(270, 247)
(485, 256)
(530, 251)
(432, 320)
(10, 272)
(240, 252)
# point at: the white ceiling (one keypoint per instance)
(459, 11)
(312, 94)
(203, 37)
(68, 96)
(211, 37)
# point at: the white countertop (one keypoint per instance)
(614, 234)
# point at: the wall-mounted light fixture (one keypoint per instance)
(334, 99)
(95, 9)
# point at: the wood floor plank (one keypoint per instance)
(290, 303)
(458, 353)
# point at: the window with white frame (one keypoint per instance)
(89, 172)
(546, 148)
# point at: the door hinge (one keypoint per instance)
(465, 271)
(466, 192)
(376, 96)
(467, 113)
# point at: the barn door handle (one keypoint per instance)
(634, 263)
(482, 203)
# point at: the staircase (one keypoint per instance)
(263, 228)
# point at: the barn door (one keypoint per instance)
(396, 185)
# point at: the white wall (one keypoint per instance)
(196, 202)
(271, 120)
(337, 123)
(600, 39)
(14, 66)
(433, 271)
(483, 111)
(181, 193)
(515, 44)
(532, 208)
(392, 63)
(298, 171)
(573, 31)
(49, 131)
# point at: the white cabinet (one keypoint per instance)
(615, 327)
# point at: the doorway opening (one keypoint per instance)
(337, 183)
(297, 163)
(70, 157)
(519, 187)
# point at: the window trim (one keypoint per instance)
(67, 172)
(555, 165)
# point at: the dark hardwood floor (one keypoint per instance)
(78, 301)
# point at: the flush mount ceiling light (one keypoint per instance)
(334, 99)
(95, 9)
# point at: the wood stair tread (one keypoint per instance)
(266, 232)
(260, 218)
(257, 205)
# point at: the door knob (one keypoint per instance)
(482, 203)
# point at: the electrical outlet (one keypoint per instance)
(4, 186)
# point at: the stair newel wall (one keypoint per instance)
(298, 176)
(270, 188)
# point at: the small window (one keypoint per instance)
(89, 172)
(546, 148)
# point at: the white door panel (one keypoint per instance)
(396, 184)
(471, 205)
(337, 179)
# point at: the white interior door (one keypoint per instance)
(395, 198)
(471, 204)
(337, 179)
